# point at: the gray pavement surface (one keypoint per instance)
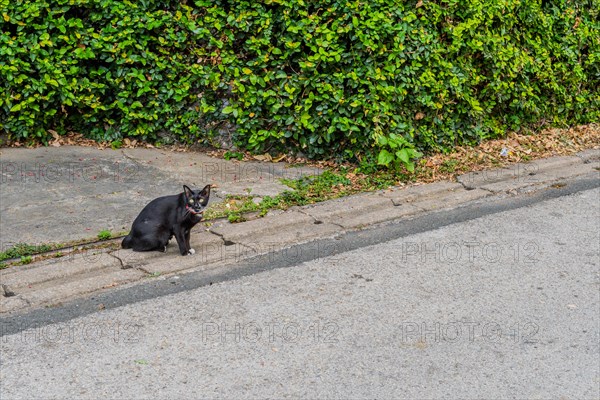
(60, 194)
(502, 306)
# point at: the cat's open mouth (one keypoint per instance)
(195, 211)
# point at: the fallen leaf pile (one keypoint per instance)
(512, 149)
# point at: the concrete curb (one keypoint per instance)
(51, 282)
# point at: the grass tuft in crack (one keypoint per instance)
(20, 250)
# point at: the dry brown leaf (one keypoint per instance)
(54, 134)
(263, 157)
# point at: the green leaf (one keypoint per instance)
(385, 158)
(403, 156)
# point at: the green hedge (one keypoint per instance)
(368, 80)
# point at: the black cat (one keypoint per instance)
(166, 217)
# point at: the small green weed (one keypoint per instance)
(235, 217)
(24, 249)
(104, 234)
(233, 154)
(26, 260)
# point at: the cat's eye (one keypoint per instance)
(191, 201)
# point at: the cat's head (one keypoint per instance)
(196, 200)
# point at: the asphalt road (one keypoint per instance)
(502, 306)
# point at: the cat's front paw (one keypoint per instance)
(192, 251)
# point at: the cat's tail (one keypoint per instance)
(126, 243)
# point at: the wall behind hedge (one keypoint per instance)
(351, 79)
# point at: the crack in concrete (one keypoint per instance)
(338, 225)
(464, 185)
(301, 211)
(129, 266)
(6, 292)
(394, 204)
(123, 264)
(469, 188)
(130, 158)
(318, 221)
(226, 242)
(144, 270)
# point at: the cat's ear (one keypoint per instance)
(188, 192)
(206, 191)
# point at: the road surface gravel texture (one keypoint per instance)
(502, 306)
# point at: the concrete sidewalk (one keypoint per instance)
(70, 192)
